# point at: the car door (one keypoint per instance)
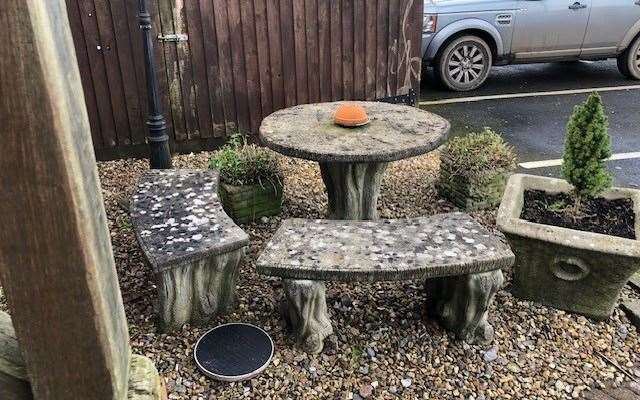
(609, 23)
(550, 29)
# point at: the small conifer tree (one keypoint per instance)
(587, 146)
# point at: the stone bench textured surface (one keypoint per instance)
(459, 258)
(192, 245)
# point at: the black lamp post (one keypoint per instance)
(160, 157)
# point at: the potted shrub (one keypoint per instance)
(575, 240)
(250, 180)
(474, 170)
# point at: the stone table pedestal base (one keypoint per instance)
(461, 303)
(305, 312)
(353, 189)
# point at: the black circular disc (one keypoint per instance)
(234, 352)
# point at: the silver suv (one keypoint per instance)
(462, 39)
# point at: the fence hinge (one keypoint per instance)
(175, 37)
(409, 99)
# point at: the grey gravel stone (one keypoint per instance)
(623, 332)
(370, 352)
(366, 391)
(490, 355)
(346, 301)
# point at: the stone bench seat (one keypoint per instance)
(191, 244)
(460, 260)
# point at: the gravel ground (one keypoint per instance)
(383, 347)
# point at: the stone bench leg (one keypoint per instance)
(195, 292)
(305, 312)
(461, 303)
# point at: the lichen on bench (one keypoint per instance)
(193, 247)
(401, 249)
(460, 260)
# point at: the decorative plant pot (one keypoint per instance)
(472, 192)
(572, 270)
(249, 202)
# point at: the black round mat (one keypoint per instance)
(234, 352)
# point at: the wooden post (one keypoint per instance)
(56, 262)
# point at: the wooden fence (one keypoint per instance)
(243, 60)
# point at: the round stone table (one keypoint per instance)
(353, 160)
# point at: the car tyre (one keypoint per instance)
(629, 60)
(464, 64)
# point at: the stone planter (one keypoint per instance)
(249, 202)
(472, 192)
(576, 271)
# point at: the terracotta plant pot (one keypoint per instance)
(351, 115)
(247, 203)
(572, 270)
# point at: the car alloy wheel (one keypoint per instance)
(464, 63)
(629, 60)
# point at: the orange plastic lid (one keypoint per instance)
(351, 114)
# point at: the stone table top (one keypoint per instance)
(395, 132)
(426, 247)
(177, 217)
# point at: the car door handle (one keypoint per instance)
(577, 6)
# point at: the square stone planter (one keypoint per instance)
(572, 270)
(249, 202)
(472, 192)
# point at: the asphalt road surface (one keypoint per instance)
(530, 118)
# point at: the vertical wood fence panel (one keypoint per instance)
(324, 45)
(84, 64)
(243, 60)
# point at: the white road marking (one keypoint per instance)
(532, 94)
(558, 162)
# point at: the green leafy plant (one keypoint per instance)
(587, 146)
(478, 152)
(240, 163)
(356, 356)
(557, 206)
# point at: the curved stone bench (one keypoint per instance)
(192, 245)
(459, 259)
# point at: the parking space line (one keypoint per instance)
(532, 94)
(558, 162)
